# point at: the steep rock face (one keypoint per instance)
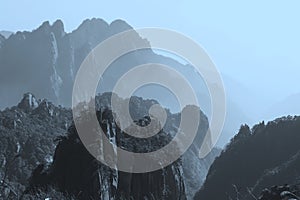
(194, 168)
(75, 171)
(256, 159)
(31, 131)
(48, 58)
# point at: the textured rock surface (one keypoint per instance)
(32, 130)
(28, 132)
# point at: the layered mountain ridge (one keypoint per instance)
(39, 135)
(46, 60)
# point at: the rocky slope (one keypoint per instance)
(35, 131)
(75, 171)
(27, 133)
(259, 158)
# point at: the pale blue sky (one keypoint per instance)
(257, 43)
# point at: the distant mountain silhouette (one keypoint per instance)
(45, 62)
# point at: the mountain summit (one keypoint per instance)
(29, 102)
(45, 60)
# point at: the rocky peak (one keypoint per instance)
(58, 24)
(58, 28)
(91, 26)
(44, 27)
(92, 22)
(119, 25)
(29, 102)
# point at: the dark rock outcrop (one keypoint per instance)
(31, 131)
(75, 171)
(256, 159)
(28, 132)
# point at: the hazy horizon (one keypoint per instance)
(254, 45)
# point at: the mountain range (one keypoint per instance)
(36, 134)
(45, 62)
(42, 156)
